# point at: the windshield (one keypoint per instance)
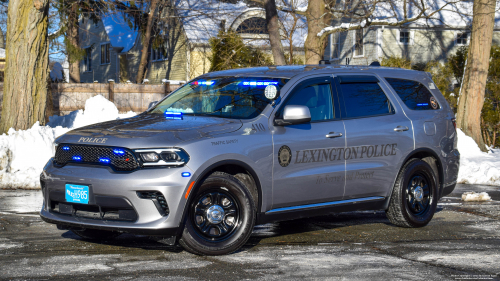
(228, 97)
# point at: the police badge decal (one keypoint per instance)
(284, 156)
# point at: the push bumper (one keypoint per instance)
(117, 194)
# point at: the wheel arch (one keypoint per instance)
(427, 155)
(231, 167)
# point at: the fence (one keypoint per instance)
(68, 97)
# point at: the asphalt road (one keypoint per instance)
(462, 242)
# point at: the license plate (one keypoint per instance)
(77, 193)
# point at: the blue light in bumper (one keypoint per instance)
(104, 160)
(186, 174)
(422, 104)
(65, 148)
(77, 158)
(119, 152)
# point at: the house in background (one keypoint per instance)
(113, 49)
(420, 41)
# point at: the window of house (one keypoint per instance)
(158, 54)
(364, 99)
(462, 38)
(253, 26)
(415, 95)
(105, 54)
(335, 43)
(404, 37)
(358, 43)
(87, 60)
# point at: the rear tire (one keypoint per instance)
(96, 234)
(414, 197)
(220, 217)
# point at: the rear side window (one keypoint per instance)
(365, 99)
(414, 94)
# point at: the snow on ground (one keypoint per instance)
(477, 167)
(473, 196)
(24, 153)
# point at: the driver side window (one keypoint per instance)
(316, 94)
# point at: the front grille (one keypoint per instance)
(90, 154)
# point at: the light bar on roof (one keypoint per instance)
(259, 83)
(203, 82)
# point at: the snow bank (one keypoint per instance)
(477, 167)
(23, 154)
(473, 196)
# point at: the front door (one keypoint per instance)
(308, 167)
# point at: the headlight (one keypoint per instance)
(163, 156)
(149, 156)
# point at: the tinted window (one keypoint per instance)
(365, 99)
(315, 95)
(415, 95)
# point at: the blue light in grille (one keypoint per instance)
(77, 158)
(120, 152)
(422, 104)
(65, 148)
(186, 174)
(104, 160)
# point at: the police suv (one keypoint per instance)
(236, 148)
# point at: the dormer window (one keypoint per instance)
(253, 26)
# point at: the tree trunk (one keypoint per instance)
(27, 65)
(72, 35)
(476, 71)
(314, 45)
(273, 29)
(147, 40)
(2, 41)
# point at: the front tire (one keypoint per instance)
(414, 197)
(220, 217)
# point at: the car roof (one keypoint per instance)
(289, 71)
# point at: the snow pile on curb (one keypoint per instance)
(473, 196)
(24, 153)
(477, 167)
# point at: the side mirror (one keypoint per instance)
(294, 114)
(151, 104)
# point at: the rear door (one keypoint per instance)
(307, 167)
(378, 135)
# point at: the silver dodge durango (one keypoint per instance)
(233, 149)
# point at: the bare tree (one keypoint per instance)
(476, 71)
(147, 40)
(27, 65)
(274, 32)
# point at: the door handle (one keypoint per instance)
(332, 135)
(401, 128)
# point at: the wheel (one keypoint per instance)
(96, 234)
(220, 217)
(414, 197)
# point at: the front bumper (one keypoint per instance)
(109, 189)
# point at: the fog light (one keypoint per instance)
(150, 157)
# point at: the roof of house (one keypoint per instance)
(202, 19)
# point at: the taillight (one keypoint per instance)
(454, 121)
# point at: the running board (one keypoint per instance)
(318, 209)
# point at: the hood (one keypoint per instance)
(150, 130)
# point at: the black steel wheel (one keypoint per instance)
(220, 216)
(414, 197)
(215, 214)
